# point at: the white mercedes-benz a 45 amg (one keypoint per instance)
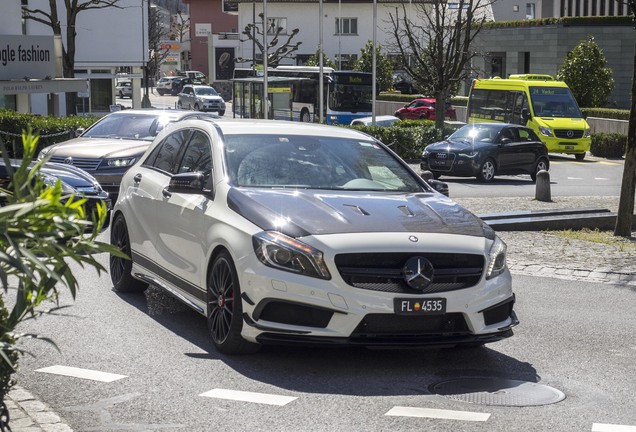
(281, 232)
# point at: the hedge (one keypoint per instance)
(608, 145)
(50, 128)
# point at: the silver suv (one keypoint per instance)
(201, 98)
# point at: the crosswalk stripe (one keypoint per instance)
(82, 373)
(244, 396)
(437, 414)
(602, 427)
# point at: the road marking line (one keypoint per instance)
(82, 373)
(243, 396)
(602, 427)
(600, 178)
(575, 178)
(438, 414)
(608, 163)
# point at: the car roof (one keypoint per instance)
(171, 114)
(231, 126)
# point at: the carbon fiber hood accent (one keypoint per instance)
(307, 212)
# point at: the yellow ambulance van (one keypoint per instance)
(539, 102)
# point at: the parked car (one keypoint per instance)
(178, 83)
(382, 120)
(164, 85)
(75, 181)
(124, 89)
(282, 232)
(115, 142)
(484, 150)
(201, 98)
(424, 108)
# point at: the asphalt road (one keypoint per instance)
(574, 337)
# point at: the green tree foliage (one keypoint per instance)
(326, 61)
(585, 72)
(41, 230)
(383, 66)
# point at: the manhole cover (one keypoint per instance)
(497, 391)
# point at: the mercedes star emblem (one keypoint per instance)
(418, 273)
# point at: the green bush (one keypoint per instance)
(610, 145)
(50, 129)
(608, 113)
(407, 138)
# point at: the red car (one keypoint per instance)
(423, 108)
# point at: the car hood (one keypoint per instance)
(331, 212)
(71, 175)
(456, 146)
(98, 148)
(206, 97)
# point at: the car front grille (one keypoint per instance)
(88, 164)
(399, 326)
(568, 133)
(441, 161)
(383, 272)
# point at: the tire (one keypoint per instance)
(121, 268)
(436, 175)
(304, 116)
(579, 156)
(224, 311)
(221, 113)
(196, 107)
(486, 171)
(542, 165)
(160, 92)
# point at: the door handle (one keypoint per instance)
(166, 194)
(137, 178)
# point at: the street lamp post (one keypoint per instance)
(145, 102)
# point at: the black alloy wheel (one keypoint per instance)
(224, 311)
(579, 156)
(121, 268)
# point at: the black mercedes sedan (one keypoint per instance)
(484, 150)
(74, 181)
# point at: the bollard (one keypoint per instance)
(542, 191)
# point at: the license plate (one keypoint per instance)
(437, 162)
(413, 306)
(569, 147)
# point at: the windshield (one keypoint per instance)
(350, 97)
(471, 133)
(554, 102)
(205, 91)
(141, 127)
(281, 161)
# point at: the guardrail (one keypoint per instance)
(598, 125)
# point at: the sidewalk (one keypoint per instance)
(538, 253)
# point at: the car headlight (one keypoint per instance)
(51, 181)
(286, 253)
(496, 258)
(120, 162)
(43, 153)
(588, 133)
(545, 131)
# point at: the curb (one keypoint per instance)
(28, 414)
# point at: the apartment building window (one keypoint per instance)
(349, 26)
(530, 10)
(456, 5)
(276, 23)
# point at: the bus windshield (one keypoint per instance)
(554, 102)
(351, 98)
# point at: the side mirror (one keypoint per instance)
(525, 114)
(505, 141)
(79, 131)
(439, 186)
(188, 183)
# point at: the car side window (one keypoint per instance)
(165, 156)
(524, 135)
(507, 133)
(197, 156)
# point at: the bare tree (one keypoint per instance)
(180, 27)
(276, 51)
(157, 32)
(624, 217)
(51, 19)
(434, 39)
